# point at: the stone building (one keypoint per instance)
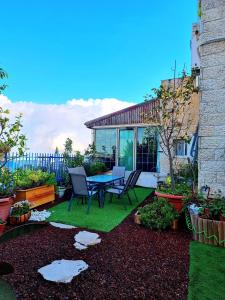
(212, 104)
(120, 139)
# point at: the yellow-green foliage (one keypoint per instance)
(32, 178)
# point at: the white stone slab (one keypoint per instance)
(79, 246)
(61, 225)
(39, 215)
(85, 239)
(63, 270)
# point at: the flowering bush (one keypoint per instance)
(20, 208)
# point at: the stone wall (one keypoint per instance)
(212, 104)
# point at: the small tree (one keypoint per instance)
(90, 152)
(56, 150)
(68, 147)
(171, 118)
(10, 133)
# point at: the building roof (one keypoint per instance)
(127, 116)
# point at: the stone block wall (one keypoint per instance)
(212, 103)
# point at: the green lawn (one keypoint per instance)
(207, 272)
(100, 219)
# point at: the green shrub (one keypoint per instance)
(95, 168)
(158, 214)
(6, 183)
(182, 189)
(74, 161)
(25, 179)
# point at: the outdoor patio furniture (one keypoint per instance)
(101, 182)
(80, 188)
(133, 182)
(77, 170)
(123, 190)
(80, 171)
(119, 171)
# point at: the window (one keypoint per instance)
(146, 151)
(181, 148)
(105, 141)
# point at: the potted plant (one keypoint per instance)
(174, 196)
(97, 167)
(10, 137)
(2, 226)
(20, 212)
(171, 121)
(6, 192)
(37, 186)
(206, 219)
(60, 190)
(158, 214)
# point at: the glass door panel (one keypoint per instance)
(126, 148)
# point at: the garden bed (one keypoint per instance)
(131, 262)
(207, 231)
(37, 196)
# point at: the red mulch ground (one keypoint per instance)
(131, 262)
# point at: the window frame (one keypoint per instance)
(185, 148)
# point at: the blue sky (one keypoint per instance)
(58, 50)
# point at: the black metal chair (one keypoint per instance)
(121, 191)
(133, 183)
(80, 188)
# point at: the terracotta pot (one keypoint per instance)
(175, 200)
(137, 219)
(14, 220)
(5, 205)
(2, 228)
(174, 224)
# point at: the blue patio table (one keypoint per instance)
(101, 181)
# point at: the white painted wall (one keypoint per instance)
(147, 179)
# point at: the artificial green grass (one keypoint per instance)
(207, 272)
(6, 292)
(100, 219)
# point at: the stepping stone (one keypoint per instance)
(63, 270)
(80, 246)
(39, 215)
(83, 239)
(61, 225)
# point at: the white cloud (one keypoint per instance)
(48, 125)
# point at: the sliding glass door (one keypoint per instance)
(126, 148)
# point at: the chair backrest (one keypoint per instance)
(77, 170)
(79, 184)
(118, 171)
(128, 182)
(135, 178)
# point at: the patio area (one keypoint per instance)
(101, 219)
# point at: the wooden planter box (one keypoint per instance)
(208, 231)
(13, 220)
(37, 196)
